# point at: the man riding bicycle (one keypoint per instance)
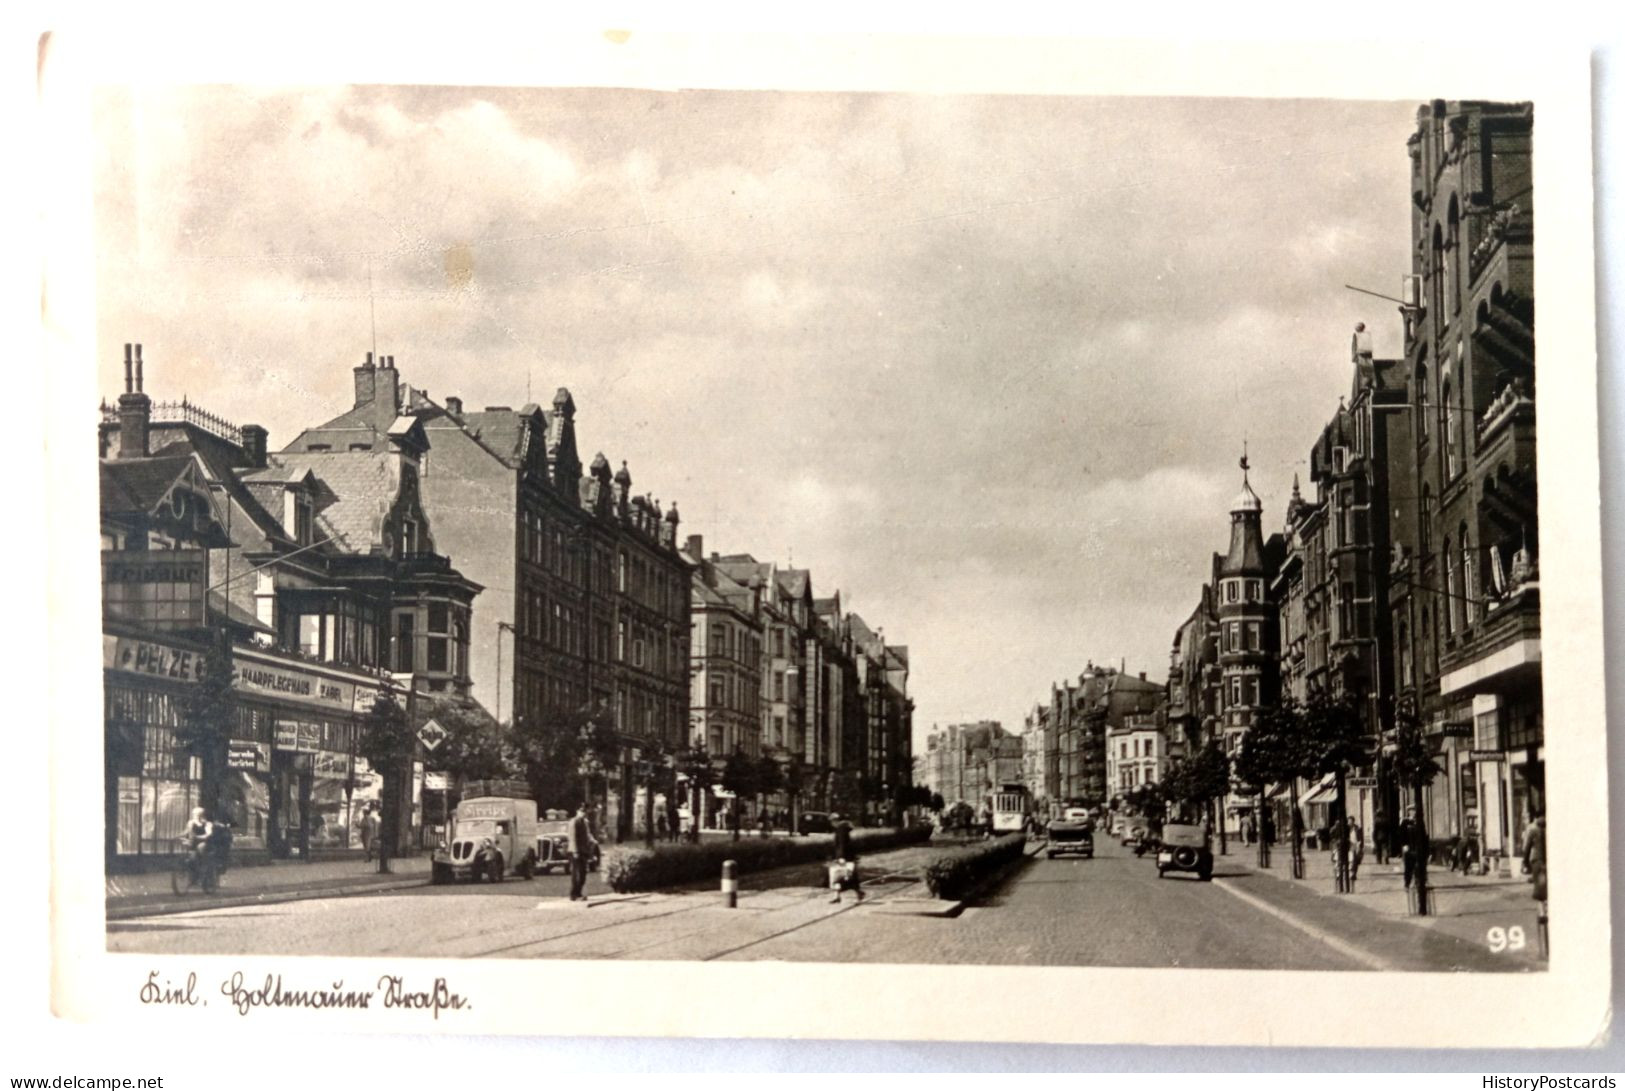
(198, 832)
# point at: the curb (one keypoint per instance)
(161, 909)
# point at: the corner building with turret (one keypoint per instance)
(588, 602)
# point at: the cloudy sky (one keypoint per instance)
(984, 364)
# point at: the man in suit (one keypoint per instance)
(582, 846)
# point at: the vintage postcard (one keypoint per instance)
(649, 534)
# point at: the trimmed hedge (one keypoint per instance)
(633, 868)
(955, 873)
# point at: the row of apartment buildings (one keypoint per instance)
(1095, 739)
(1090, 743)
(1409, 579)
(968, 763)
(447, 555)
(780, 672)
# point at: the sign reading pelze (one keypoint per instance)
(125, 653)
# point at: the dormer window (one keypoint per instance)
(298, 516)
(409, 536)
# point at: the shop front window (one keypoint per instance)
(157, 785)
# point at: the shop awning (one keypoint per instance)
(1323, 792)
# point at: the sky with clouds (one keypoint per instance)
(985, 364)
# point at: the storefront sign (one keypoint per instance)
(1486, 755)
(1362, 782)
(365, 698)
(163, 587)
(304, 738)
(123, 653)
(431, 735)
(291, 684)
(435, 782)
(331, 764)
(248, 755)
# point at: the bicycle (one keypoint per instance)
(195, 867)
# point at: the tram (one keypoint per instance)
(1011, 806)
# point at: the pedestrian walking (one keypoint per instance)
(846, 855)
(370, 834)
(1413, 844)
(1534, 852)
(582, 846)
(1356, 849)
(763, 825)
(1267, 828)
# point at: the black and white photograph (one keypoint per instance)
(831, 529)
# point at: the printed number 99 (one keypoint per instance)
(1506, 939)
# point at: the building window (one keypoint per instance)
(1404, 655)
(1449, 588)
(1440, 291)
(1469, 589)
(1423, 406)
(1426, 529)
(438, 658)
(405, 624)
(302, 520)
(1453, 244)
(620, 641)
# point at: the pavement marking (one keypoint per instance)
(1342, 947)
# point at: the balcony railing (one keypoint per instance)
(1513, 617)
(184, 412)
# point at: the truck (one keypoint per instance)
(489, 838)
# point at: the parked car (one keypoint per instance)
(1185, 848)
(816, 822)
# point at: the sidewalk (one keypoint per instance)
(282, 880)
(1464, 908)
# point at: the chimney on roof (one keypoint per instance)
(255, 442)
(134, 408)
(390, 394)
(454, 406)
(695, 547)
(366, 383)
(1142, 676)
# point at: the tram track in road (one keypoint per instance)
(583, 931)
(907, 877)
